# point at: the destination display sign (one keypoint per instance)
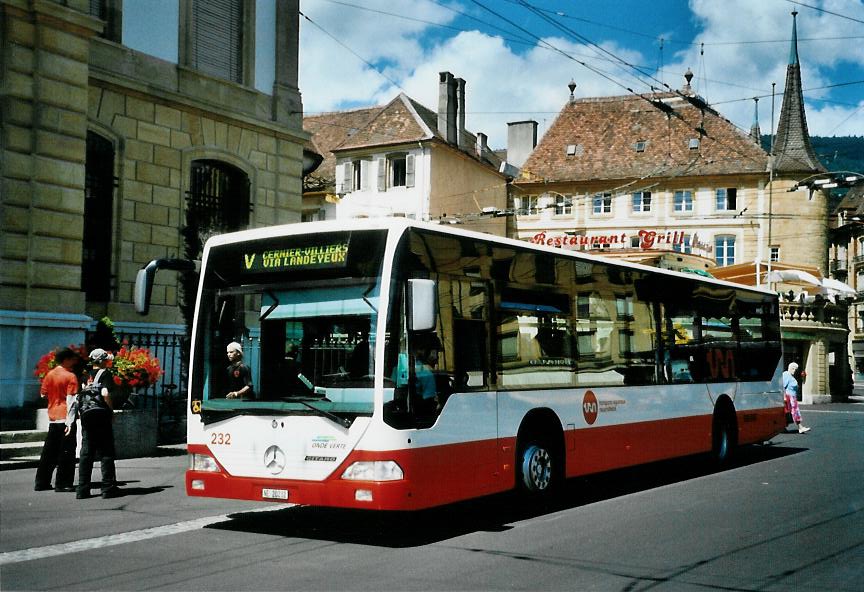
(333, 255)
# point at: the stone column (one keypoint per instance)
(287, 104)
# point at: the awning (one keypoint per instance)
(792, 276)
(831, 287)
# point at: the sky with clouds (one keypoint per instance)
(517, 56)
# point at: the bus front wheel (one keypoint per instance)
(537, 468)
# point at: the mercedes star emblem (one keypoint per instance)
(274, 459)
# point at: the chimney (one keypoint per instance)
(447, 107)
(460, 115)
(481, 146)
(521, 141)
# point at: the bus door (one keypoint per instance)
(467, 404)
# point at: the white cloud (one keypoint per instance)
(506, 84)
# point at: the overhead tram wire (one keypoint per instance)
(657, 103)
(675, 41)
(354, 53)
(818, 9)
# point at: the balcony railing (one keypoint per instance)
(814, 314)
(838, 265)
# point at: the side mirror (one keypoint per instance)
(146, 275)
(422, 305)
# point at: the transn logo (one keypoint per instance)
(249, 260)
(721, 363)
(590, 407)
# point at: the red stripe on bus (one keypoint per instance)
(444, 474)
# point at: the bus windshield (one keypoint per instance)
(302, 328)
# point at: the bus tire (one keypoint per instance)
(536, 469)
(724, 433)
(540, 456)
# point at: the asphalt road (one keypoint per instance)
(781, 517)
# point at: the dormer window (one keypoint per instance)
(571, 149)
(640, 146)
(694, 143)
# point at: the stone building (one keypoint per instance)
(112, 157)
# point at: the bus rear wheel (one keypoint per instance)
(724, 437)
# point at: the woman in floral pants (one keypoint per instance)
(790, 393)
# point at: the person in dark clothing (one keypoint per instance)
(97, 432)
(59, 386)
(239, 375)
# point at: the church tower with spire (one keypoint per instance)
(798, 219)
(792, 151)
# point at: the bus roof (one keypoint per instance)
(402, 224)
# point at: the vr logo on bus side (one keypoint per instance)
(590, 407)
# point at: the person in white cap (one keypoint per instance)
(239, 375)
(97, 431)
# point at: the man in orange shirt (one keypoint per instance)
(59, 386)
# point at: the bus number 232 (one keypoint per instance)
(220, 438)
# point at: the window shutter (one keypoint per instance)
(409, 170)
(364, 174)
(340, 177)
(217, 38)
(382, 174)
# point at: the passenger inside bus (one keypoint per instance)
(426, 349)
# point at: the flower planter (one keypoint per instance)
(135, 432)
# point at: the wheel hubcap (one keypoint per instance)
(537, 468)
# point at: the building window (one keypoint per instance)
(360, 177)
(99, 185)
(727, 199)
(724, 250)
(602, 203)
(397, 170)
(693, 144)
(110, 12)
(774, 254)
(527, 205)
(642, 201)
(640, 146)
(218, 198)
(313, 216)
(563, 205)
(216, 38)
(683, 201)
(683, 247)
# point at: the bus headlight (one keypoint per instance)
(377, 470)
(203, 462)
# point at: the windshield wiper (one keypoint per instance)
(342, 421)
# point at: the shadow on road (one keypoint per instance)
(490, 514)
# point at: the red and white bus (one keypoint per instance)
(400, 365)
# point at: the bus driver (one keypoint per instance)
(239, 375)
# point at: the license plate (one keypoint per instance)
(280, 494)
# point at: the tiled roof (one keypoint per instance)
(596, 139)
(395, 123)
(329, 130)
(403, 120)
